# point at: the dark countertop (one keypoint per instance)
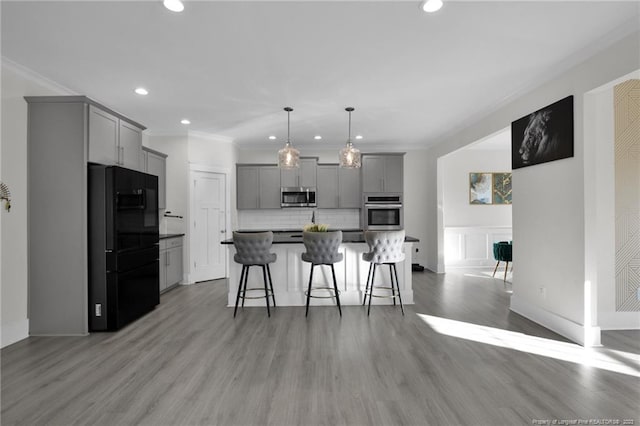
(165, 236)
(295, 237)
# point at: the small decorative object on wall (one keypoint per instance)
(543, 136)
(479, 188)
(5, 195)
(501, 188)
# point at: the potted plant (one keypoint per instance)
(316, 227)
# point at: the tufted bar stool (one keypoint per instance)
(252, 249)
(385, 248)
(322, 249)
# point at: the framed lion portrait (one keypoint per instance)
(543, 136)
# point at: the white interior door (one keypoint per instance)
(208, 213)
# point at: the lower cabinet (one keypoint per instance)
(170, 262)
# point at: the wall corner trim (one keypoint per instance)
(567, 328)
(14, 332)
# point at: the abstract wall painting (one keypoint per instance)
(501, 188)
(489, 188)
(543, 136)
(480, 188)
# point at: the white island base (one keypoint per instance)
(290, 277)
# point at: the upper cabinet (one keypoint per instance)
(113, 140)
(155, 163)
(130, 144)
(303, 176)
(338, 187)
(382, 173)
(327, 189)
(349, 191)
(258, 187)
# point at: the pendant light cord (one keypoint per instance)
(288, 126)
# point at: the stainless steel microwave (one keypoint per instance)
(383, 211)
(298, 197)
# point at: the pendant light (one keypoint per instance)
(350, 155)
(288, 157)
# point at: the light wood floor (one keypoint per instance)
(189, 362)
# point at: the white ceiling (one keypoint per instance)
(230, 67)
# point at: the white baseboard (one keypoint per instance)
(14, 332)
(567, 328)
(619, 320)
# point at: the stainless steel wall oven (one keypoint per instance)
(383, 211)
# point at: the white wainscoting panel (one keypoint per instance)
(472, 246)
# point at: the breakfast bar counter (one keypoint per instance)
(291, 275)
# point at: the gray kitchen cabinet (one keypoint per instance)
(349, 191)
(269, 179)
(247, 196)
(258, 186)
(130, 144)
(113, 140)
(64, 133)
(103, 136)
(382, 173)
(338, 187)
(327, 189)
(155, 163)
(171, 267)
(305, 175)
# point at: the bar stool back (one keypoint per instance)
(253, 249)
(385, 248)
(322, 249)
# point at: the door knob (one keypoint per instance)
(223, 231)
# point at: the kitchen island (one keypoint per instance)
(290, 274)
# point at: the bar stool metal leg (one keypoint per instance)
(266, 290)
(373, 278)
(244, 287)
(393, 290)
(366, 289)
(309, 290)
(239, 290)
(335, 287)
(395, 271)
(273, 294)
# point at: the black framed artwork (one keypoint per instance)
(543, 136)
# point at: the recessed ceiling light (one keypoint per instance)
(358, 136)
(173, 5)
(272, 137)
(317, 137)
(185, 121)
(142, 91)
(431, 6)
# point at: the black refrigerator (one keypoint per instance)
(123, 246)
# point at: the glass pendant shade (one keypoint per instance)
(349, 156)
(288, 156)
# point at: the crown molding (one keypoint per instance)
(30, 74)
(209, 136)
(154, 133)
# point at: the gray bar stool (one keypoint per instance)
(322, 249)
(252, 249)
(385, 248)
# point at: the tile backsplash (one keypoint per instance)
(294, 218)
